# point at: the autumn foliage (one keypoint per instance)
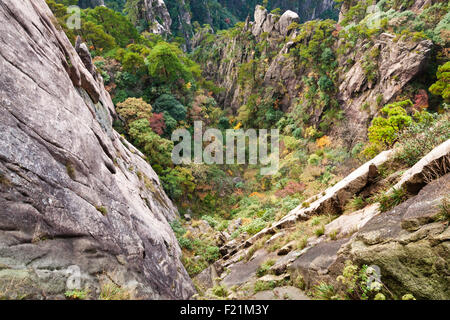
(291, 188)
(157, 123)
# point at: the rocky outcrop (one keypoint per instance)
(78, 204)
(410, 244)
(395, 64)
(286, 20)
(433, 165)
(157, 16)
(270, 23)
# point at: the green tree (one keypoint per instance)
(168, 103)
(133, 62)
(165, 65)
(442, 86)
(134, 109)
(114, 24)
(157, 149)
(95, 35)
(385, 131)
(178, 182)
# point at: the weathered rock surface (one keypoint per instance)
(410, 244)
(434, 164)
(318, 263)
(286, 20)
(157, 16)
(77, 202)
(243, 271)
(397, 63)
(348, 224)
(281, 293)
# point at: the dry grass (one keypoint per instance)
(4, 180)
(436, 169)
(111, 291)
(11, 290)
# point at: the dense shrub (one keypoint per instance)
(168, 103)
(385, 131)
(442, 86)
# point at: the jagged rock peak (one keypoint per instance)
(286, 20)
(269, 23)
(157, 16)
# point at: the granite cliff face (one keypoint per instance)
(157, 16)
(79, 206)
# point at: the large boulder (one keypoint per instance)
(286, 20)
(410, 244)
(434, 164)
(260, 17)
(78, 204)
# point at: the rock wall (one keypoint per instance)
(78, 204)
(157, 16)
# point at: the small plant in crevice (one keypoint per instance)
(111, 291)
(444, 212)
(264, 286)
(220, 291)
(102, 210)
(299, 282)
(302, 243)
(357, 203)
(392, 199)
(315, 221)
(324, 291)
(320, 231)
(70, 170)
(333, 235)
(76, 294)
(264, 268)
